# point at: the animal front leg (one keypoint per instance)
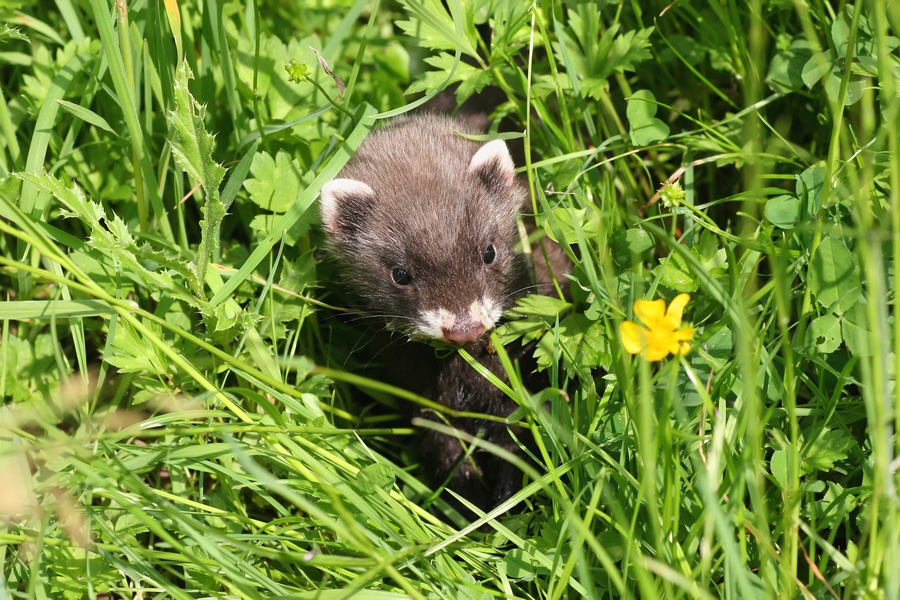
(446, 461)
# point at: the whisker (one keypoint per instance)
(394, 340)
(526, 288)
(380, 316)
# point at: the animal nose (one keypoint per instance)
(464, 333)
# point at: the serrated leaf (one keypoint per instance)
(675, 274)
(582, 345)
(275, 182)
(629, 49)
(130, 353)
(536, 305)
(112, 238)
(11, 33)
(830, 447)
(193, 149)
(432, 24)
(471, 79)
(227, 315)
(192, 146)
(584, 23)
(834, 507)
(539, 312)
(833, 277)
(71, 567)
(595, 59)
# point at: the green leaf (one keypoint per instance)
(112, 239)
(582, 345)
(827, 449)
(783, 211)
(629, 49)
(471, 79)
(11, 33)
(519, 565)
(778, 467)
(826, 65)
(855, 86)
(432, 24)
(594, 59)
(130, 353)
(566, 221)
(193, 149)
(540, 314)
(284, 100)
(686, 46)
(54, 309)
(708, 252)
(786, 69)
(816, 67)
(855, 330)
(834, 507)
(840, 33)
(833, 276)
(809, 187)
(275, 182)
(87, 115)
(537, 305)
(675, 274)
(71, 568)
(824, 333)
(644, 127)
(375, 476)
(631, 247)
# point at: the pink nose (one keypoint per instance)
(464, 333)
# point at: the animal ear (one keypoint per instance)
(493, 165)
(344, 205)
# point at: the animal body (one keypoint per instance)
(423, 222)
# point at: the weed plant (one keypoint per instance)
(184, 415)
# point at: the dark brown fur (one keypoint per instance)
(423, 208)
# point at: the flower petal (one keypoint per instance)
(676, 308)
(650, 312)
(683, 348)
(684, 334)
(656, 352)
(632, 336)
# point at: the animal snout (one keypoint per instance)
(464, 332)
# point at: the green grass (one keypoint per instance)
(183, 416)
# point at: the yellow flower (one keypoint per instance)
(663, 333)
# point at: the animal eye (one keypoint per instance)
(490, 254)
(400, 276)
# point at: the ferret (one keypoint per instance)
(423, 223)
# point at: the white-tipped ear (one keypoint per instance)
(493, 164)
(339, 192)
